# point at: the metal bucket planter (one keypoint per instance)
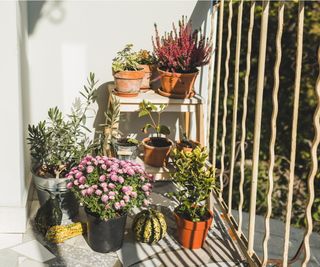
(69, 205)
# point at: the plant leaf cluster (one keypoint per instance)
(126, 60)
(195, 181)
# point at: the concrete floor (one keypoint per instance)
(219, 250)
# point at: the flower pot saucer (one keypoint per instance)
(125, 94)
(172, 95)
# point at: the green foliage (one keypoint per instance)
(126, 59)
(145, 109)
(195, 182)
(57, 143)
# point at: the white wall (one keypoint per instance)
(67, 40)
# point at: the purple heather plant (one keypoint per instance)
(109, 187)
(182, 50)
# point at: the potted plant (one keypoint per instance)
(156, 148)
(127, 73)
(186, 144)
(146, 61)
(115, 144)
(179, 54)
(108, 188)
(195, 182)
(58, 143)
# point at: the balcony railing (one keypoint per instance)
(220, 123)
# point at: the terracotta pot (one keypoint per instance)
(128, 82)
(192, 235)
(148, 74)
(155, 156)
(182, 147)
(178, 84)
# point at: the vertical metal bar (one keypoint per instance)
(216, 104)
(294, 130)
(244, 114)
(273, 131)
(257, 123)
(213, 27)
(313, 171)
(225, 110)
(235, 105)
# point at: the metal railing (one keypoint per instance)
(247, 243)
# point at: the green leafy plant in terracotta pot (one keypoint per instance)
(194, 181)
(127, 73)
(109, 189)
(156, 148)
(179, 54)
(58, 143)
(146, 61)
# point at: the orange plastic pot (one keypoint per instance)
(128, 82)
(155, 156)
(192, 235)
(177, 84)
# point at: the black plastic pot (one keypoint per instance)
(105, 236)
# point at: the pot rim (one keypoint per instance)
(154, 147)
(211, 217)
(48, 178)
(138, 73)
(177, 74)
(88, 212)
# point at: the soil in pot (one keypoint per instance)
(126, 150)
(128, 83)
(105, 235)
(156, 150)
(192, 235)
(187, 145)
(177, 85)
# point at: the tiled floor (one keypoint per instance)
(219, 249)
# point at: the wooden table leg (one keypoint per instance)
(199, 125)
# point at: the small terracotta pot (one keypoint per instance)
(192, 235)
(155, 156)
(178, 84)
(128, 82)
(148, 74)
(181, 147)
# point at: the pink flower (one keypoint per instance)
(145, 187)
(103, 184)
(107, 206)
(133, 194)
(111, 193)
(105, 189)
(111, 185)
(94, 186)
(104, 198)
(111, 197)
(122, 203)
(102, 178)
(117, 205)
(69, 185)
(90, 169)
(126, 198)
(78, 175)
(90, 191)
(146, 202)
(84, 192)
(142, 178)
(82, 186)
(120, 180)
(147, 193)
(76, 182)
(130, 171)
(98, 192)
(69, 176)
(82, 180)
(104, 166)
(114, 177)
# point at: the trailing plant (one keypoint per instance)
(194, 180)
(57, 143)
(145, 57)
(181, 50)
(145, 109)
(126, 59)
(109, 187)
